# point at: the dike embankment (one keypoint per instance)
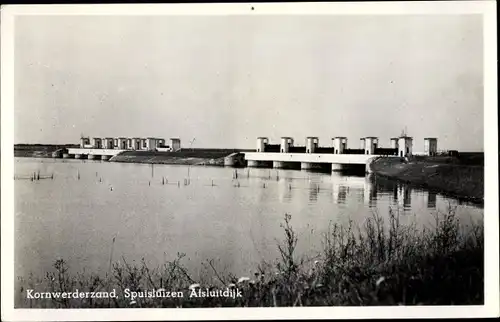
(461, 177)
(213, 157)
(39, 150)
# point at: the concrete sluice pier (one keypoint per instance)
(90, 154)
(309, 166)
(315, 166)
(286, 165)
(81, 156)
(259, 164)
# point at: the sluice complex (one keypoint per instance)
(284, 155)
(338, 156)
(105, 148)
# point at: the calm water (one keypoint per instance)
(76, 219)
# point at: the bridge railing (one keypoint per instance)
(297, 149)
(386, 151)
(272, 148)
(276, 148)
(324, 150)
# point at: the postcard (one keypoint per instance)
(262, 161)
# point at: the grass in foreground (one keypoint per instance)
(376, 264)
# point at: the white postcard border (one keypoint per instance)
(491, 213)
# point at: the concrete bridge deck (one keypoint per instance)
(306, 160)
(310, 157)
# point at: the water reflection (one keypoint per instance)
(342, 194)
(358, 188)
(431, 200)
(399, 193)
(285, 190)
(404, 196)
(370, 192)
(371, 189)
(263, 193)
(314, 190)
(345, 187)
(384, 186)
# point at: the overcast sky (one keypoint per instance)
(229, 79)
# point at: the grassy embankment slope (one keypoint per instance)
(39, 150)
(187, 157)
(461, 176)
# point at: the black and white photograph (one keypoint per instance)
(318, 160)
